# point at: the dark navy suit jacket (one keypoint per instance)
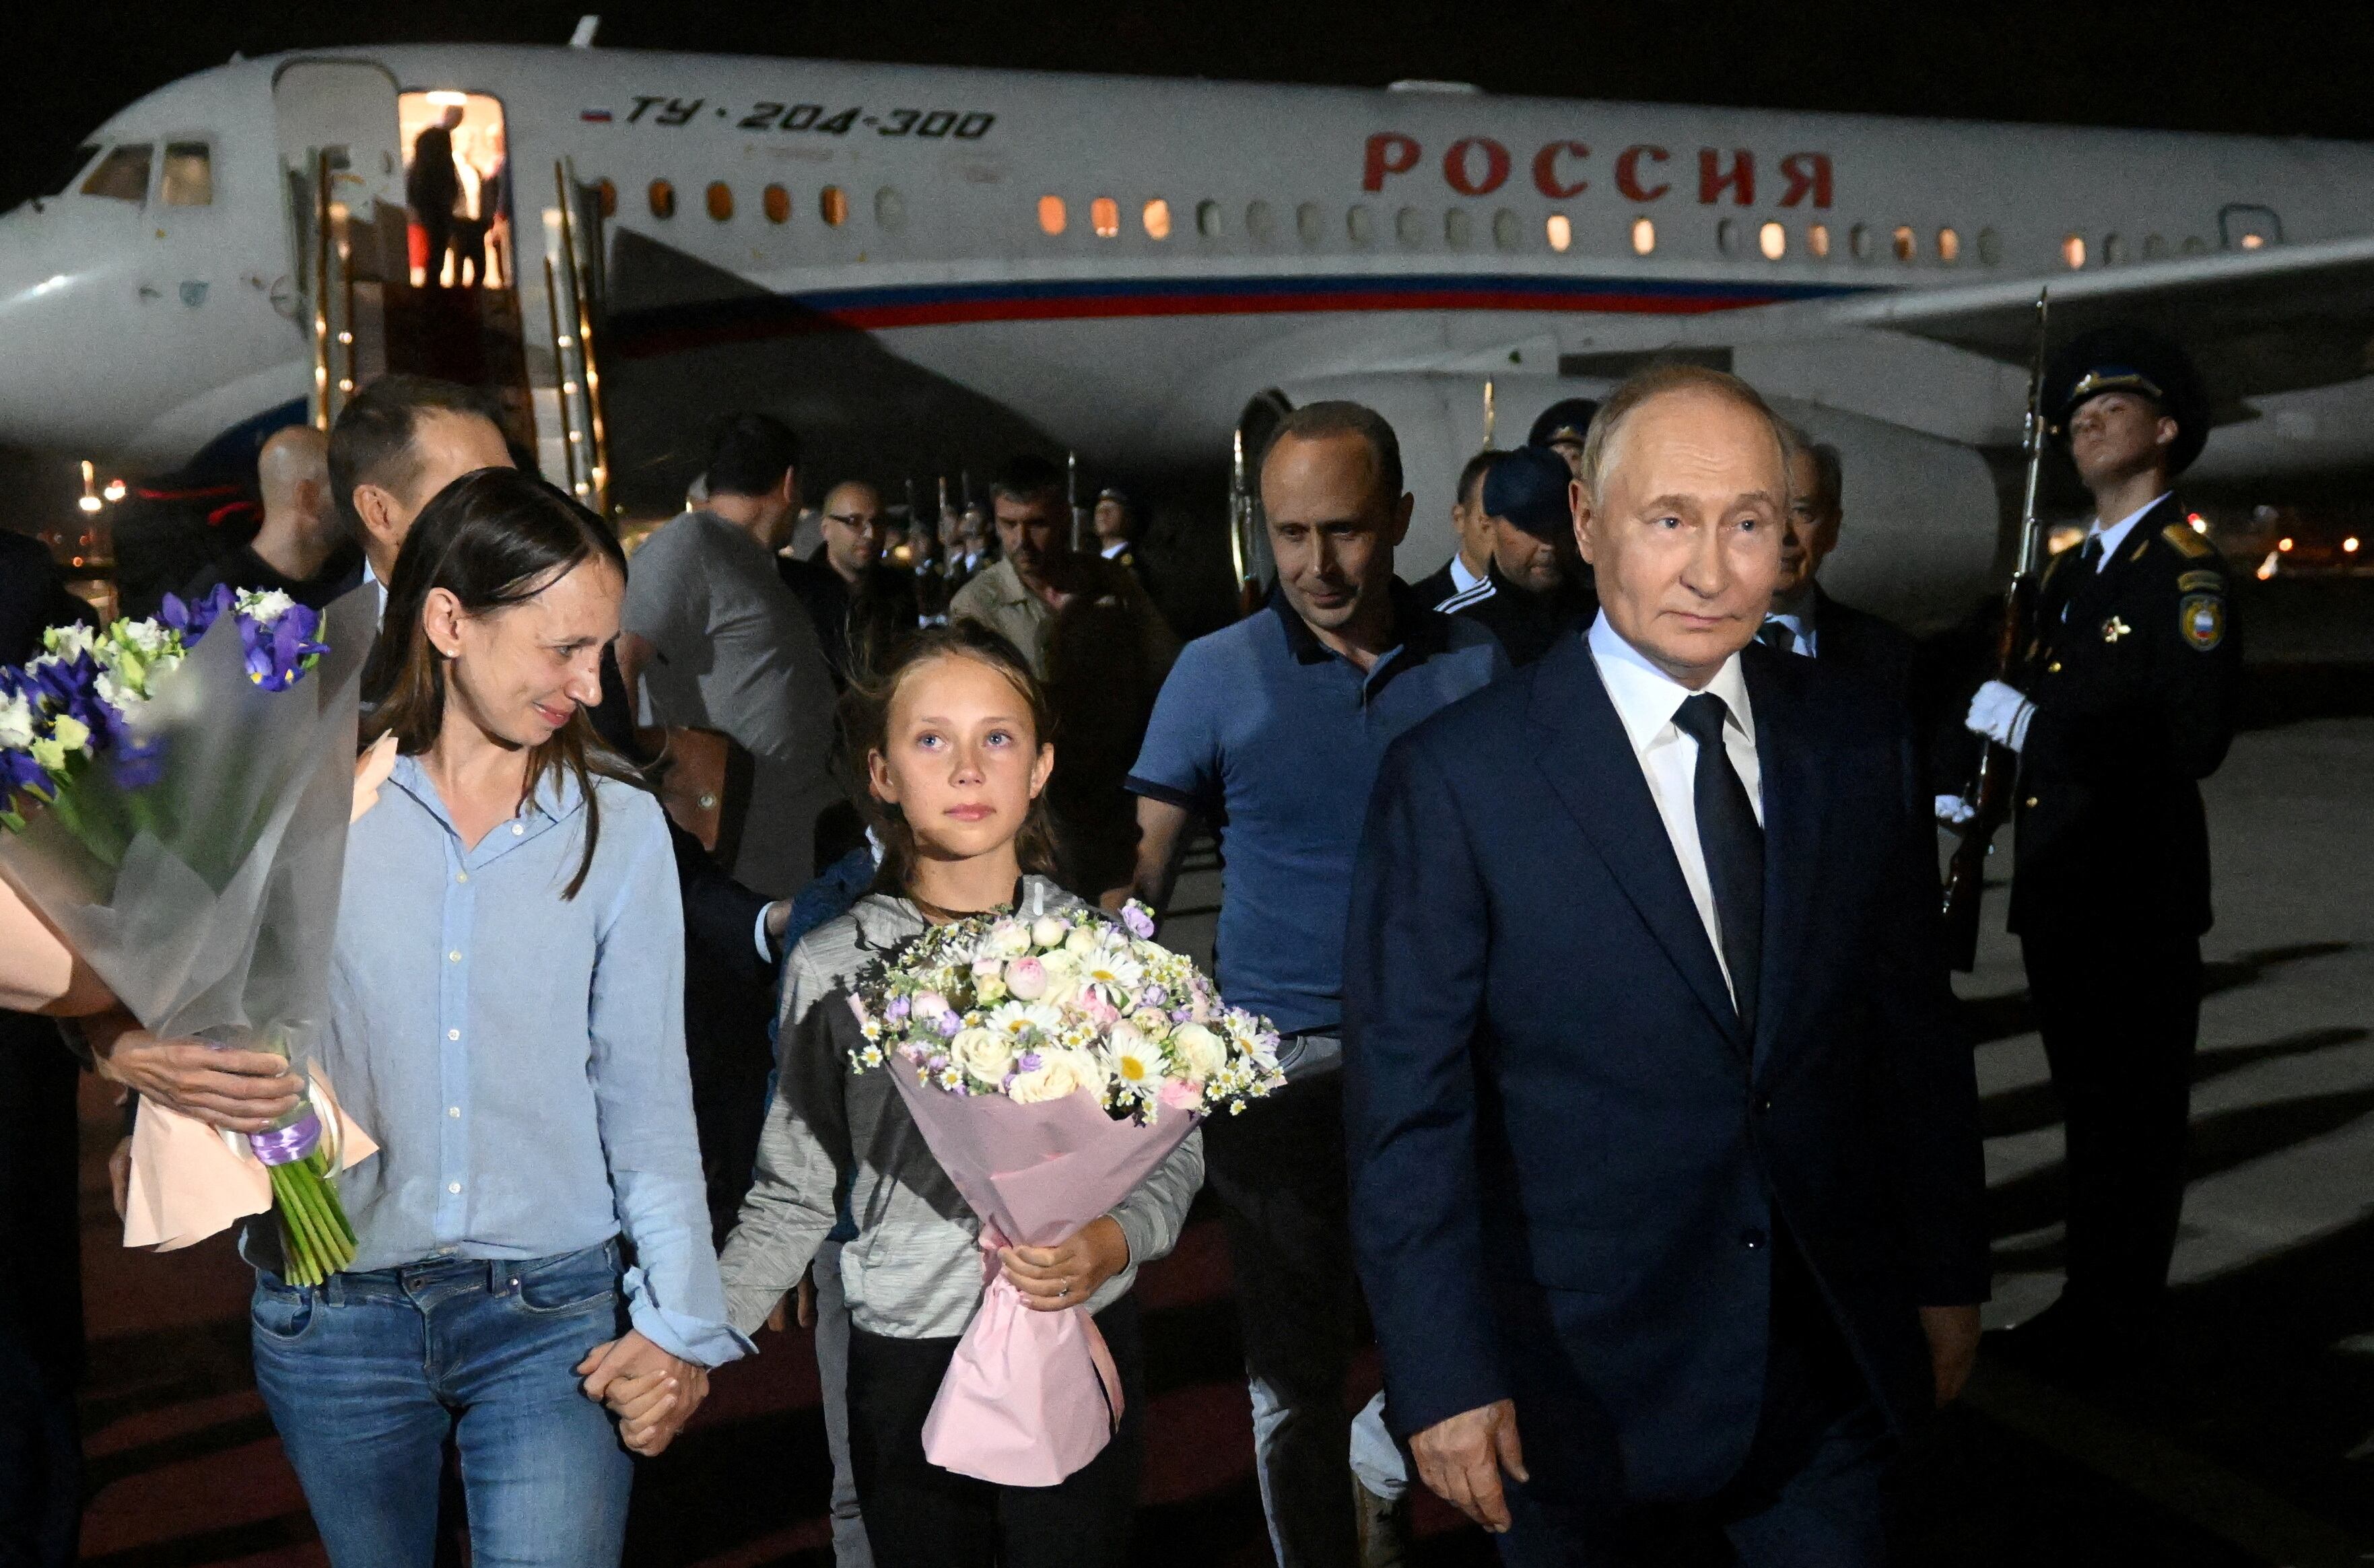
(1568, 1158)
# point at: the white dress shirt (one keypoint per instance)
(1646, 699)
(1462, 580)
(1798, 616)
(2116, 534)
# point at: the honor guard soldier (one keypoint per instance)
(2127, 704)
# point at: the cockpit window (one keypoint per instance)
(189, 175)
(63, 178)
(123, 174)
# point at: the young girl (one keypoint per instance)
(507, 1020)
(953, 742)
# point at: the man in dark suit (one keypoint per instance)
(1467, 575)
(1803, 619)
(2127, 702)
(1664, 1137)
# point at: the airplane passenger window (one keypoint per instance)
(1907, 247)
(1504, 229)
(1361, 223)
(1949, 246)
(777, 203)
(189, 175)
(2114, 249)
(720, 200)
(1726, 237)
(1644, 235)
(1818, 240)
(2073, 251)
(1104, 217)
(889, 209)
(1559, 232)
(1409, 226)
(2154, 248)
(121, 174)
(1051, 215)
(1311, 222)
(1859, 242)
(2194, 245)
(834, 205)
(1209, 222)
(607, 195)
(1773, 240)
(663, 195)
(1260, 222)
(1989, 247)
(1458, 229)
(1157, 220)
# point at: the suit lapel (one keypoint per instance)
(1589, 762)
(1793, 813)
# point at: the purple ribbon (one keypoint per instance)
(287, 1145)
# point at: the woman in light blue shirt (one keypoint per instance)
(507, 1021)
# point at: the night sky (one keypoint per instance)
(2256, 68)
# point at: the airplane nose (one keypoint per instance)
(52, 317)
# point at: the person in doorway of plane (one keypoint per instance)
(1467, 575)
(431, 186)
(1803, 619)
(1541, 587)
(299, 549)
(1563, 428)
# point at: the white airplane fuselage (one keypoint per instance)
(1215, 241)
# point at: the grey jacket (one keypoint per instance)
(915, 1270)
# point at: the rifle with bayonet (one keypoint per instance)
(1989, 796)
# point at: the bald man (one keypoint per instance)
(299, 549)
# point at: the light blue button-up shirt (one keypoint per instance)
(520, 1057)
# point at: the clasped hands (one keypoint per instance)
(651, 1392)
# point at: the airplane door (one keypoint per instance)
(343, 169)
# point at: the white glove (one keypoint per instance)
(1954, 810)
(2000, 714)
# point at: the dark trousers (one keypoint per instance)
(40, 1315)
(1280, 1174)
(919, 1515)
(2121, 1017)
(1809, 1493)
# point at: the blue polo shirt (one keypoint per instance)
(1273, 738)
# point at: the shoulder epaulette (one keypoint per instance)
(2187, 543)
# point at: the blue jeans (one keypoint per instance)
(367, 1375)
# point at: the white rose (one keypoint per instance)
(1009, 938)
(1199, 1050)
(1083, 941)
(1047, 931)
(1058, 1073)
(984, 1053)
(1060, 962)
(1062, 991)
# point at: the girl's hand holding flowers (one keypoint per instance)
(1053, 1279)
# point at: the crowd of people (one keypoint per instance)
(1590, 882)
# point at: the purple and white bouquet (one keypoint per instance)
(1038, 1007)
(175, 803)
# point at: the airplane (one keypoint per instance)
(923, 269)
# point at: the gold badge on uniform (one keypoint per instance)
(2115, 628)
(2202, 618)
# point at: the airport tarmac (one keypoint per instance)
(2257, 1450)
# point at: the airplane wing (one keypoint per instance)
(2256, 321)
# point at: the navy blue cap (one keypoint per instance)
(1567, 420)
(1528, 487)
(2130, 359)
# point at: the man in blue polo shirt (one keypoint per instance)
(1271, 731)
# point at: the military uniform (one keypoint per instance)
(2135, 673)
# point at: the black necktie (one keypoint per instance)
(2090, 558)
(1776, 635)
(1733, 842)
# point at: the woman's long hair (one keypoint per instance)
(492, 539)
(866, 728)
